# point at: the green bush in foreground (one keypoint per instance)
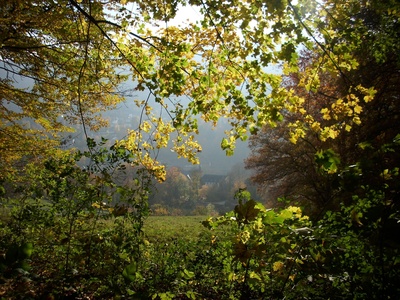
(281, 254)
(249, 253)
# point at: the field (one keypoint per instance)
(159, 228)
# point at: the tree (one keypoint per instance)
(351, 139)
(331, 119)
(283, 169)
(77, 58)
(54, 63)
(174, 191)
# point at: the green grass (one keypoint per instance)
(159, 228)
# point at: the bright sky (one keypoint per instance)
(185, 15)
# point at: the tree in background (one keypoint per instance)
(283, 169)
(336, 131)
(174, 192)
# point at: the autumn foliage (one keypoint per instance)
(313, 84)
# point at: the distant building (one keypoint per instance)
(211, 179)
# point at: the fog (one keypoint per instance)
(126, 117)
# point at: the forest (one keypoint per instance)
(107, 110)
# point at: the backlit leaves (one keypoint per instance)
(218, 66)
(327, 160)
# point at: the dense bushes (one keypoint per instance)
(78, 233)
(249, 253)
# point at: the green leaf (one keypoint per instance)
(225, 144)
(164, 296)
(255, 276)
(191, 295)
(278, 220)
(365, 145)
(130, 271)
(187, 275)
(286, 214)
(271, 218)
(27, 250)
(327, 160)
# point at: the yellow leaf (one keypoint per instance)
(368, 98)
(293, 138)
(357, 120)
(332, 133)
(325, 113)
(302, 111)
(277, 266)
(357, 109)
(315, 126)
(96, 205)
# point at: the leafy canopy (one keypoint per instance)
(73, 56)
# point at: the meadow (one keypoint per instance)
(164, 228)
